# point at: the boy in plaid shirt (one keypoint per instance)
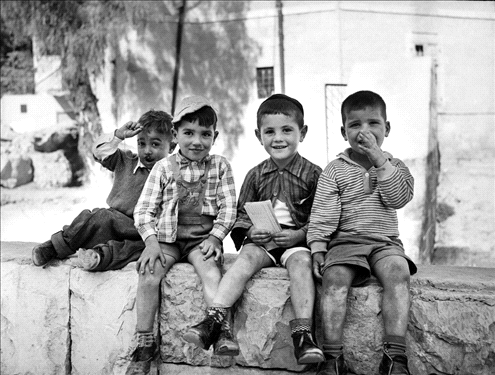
(187, 207)
(289, 181)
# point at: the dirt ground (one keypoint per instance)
(32, 214)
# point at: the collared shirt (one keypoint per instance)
(157, 209)
(354, 200)
(106, 145)
(295, 185)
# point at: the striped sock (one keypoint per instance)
(395, 345)
(300, 325)
(334, 348)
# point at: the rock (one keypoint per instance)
(103, 320)
(65, 320)
(51, 169)
(16, 171)
(35, 334)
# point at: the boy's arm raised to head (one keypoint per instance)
(225, 200)
(395, 184)
(107, 144)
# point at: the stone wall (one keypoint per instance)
(63, 320)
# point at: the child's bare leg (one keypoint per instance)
(210, 330)
(336, 283)
(209, 272)
(250, 260)
(393, 274)
(148, 295)
(302, 295)
(302, 286)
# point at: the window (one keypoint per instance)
(265, 81)
(419, 50)
(24, 108)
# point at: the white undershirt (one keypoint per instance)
(282, 213)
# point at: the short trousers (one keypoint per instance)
(189, 238)
(363, 252)
(279, 255)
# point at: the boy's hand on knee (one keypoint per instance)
(259, 236)
(212, 246)
(288, 237)
(149, 256)
(318, 261)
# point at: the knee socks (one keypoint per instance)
(217, 313)
(394, 345)
(333, 348)
(300, 325)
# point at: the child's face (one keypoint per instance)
(152, 146)
(280, 136)
(195, 141)
(361, 121)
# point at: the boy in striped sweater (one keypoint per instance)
(353, 232)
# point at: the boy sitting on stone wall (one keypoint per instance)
(109, 234)
(288, 181)
(353, 232)
(187, 207)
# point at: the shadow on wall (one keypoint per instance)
(217, 61)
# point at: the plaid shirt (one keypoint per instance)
(157, 208)
(296, 182)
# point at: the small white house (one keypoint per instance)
(31, 112)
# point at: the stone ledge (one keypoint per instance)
(65, 320)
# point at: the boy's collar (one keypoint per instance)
(139, 165)
(294, 166)
(183, 160)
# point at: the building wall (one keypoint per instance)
(42, 111)
(323, 42)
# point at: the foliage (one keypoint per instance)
(16, 61)
(217, 59)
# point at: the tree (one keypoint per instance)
(80, 32)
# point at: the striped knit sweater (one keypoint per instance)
(354, 200)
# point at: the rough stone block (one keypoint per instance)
(103, 320)
(51, 169)
(16, 171)
(35, 309)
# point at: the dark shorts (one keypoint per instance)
(189, 237)
(363, 252)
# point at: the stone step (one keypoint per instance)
(64, 320)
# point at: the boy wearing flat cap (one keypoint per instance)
(288, 181)
(187, 207)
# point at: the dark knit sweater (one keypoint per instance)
(127, 186)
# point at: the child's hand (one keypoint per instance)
(212, 246)
(318, 260)
(149, 256)
(367, 144)
(128, 130)
(288, 237)
(259, 236)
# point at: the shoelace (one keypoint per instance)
(226, 330)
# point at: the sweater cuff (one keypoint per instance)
(385, 171)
